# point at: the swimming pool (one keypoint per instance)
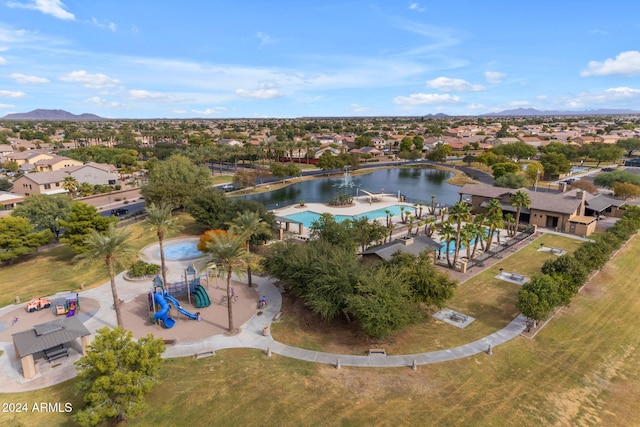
(181, 251)
(308, 217)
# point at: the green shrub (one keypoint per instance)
(141, 269)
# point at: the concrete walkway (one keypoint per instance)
(254, 333)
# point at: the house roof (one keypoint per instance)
(101, 166)
(566, 202)
(7, 197)
(602, 202)
(581, 219)
(47, 335)
(53, 160)
(415, 245)
(46, 177)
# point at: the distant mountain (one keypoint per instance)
(437, 116)
(521, 112)
(51, 115)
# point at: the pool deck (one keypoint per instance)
(361, 205)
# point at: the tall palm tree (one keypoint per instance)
(520, 200)
(467, 234)
(160, 220)
(448, 234)
(493, 220)
(458, 214)
(250, 225)
(114, 250)
(229, 253)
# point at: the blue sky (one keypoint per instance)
(215, 59)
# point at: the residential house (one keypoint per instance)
(55, 163)
(94, 173)
(367, 150)
(28, 157)
(8, 200)
(321, 151)
(564, 212)
(40, 183)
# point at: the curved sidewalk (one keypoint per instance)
(251, 336)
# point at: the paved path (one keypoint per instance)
(252, 335)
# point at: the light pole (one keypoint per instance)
(187, 271)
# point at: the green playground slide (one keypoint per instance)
(202, 298)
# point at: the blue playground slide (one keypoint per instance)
(163, 314)
(178, 307)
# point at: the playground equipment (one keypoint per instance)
(163, 299)
(37, 303)
(201, 296)
(70, 307)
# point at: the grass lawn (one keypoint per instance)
(489, 300)
(581, 369)
(48, 272)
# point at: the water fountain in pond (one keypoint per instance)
(347, 181)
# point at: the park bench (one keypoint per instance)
(457, 317)
(377, 352)
(518, 277)
(55, 353)
(277, 317)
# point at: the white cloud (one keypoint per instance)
(518, 103)
(92, 81)
(416, 7)
(426, 98)
(24, 79)
(11, 94)
(2, 60)
(446, 84)
(357, 108)
(494, 76)
(5, 106)
(140, 94)
(103, 102)
(264, 38)
(626, 63)
(103, 24)
(259, 93)
(210, 111)
(608, 97)
(54, 8)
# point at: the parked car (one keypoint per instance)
(119, 211)
(608, 169)
(228, 187)
(570, 180)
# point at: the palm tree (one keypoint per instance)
(448, 234)
(467, 234)
(429, 226)
(433, 205)
(114, 250)
(458, 214)
(387, 214)
(520, 200)
(159, 219)
(250, 225)
(510, 225)
(494, 220)
(229, 253)
(70, 184)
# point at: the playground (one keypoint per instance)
(213, 319)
